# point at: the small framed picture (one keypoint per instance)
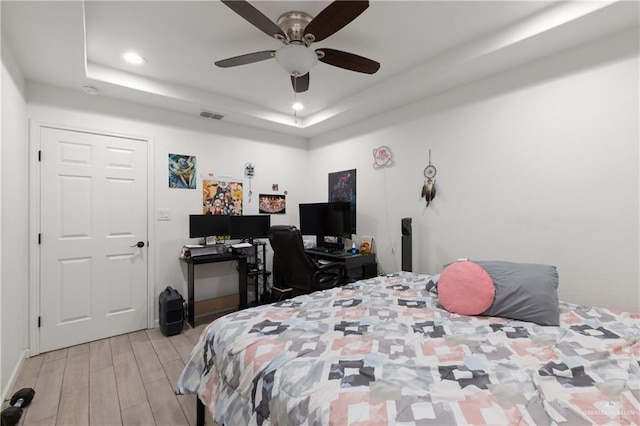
(272, 204)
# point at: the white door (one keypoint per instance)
(93, 212)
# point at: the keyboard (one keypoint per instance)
(323, 251)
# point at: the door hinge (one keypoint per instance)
(39, 321)
(39, 238)
(39, 155)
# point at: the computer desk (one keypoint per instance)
(215, 258)
(360, 266)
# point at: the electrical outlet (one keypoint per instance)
(164, 214)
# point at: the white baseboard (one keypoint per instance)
(14, 374)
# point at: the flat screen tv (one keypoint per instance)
(207, 225)
(249, 226)
(326, 219)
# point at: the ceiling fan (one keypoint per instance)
(297, 31)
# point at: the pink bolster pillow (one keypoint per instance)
(465, 288)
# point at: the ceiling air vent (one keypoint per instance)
(209, 114)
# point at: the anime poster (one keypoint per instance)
(272, 204)
(182, 171)
(342, 187)
(222, 197)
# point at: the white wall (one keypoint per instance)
(539, 165)
(13, 235)
(220, 148)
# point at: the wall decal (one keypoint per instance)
(249, 171)
(383, 157)
(182, 171)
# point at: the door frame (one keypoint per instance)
(34, 223)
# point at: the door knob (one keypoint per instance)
(139, 244)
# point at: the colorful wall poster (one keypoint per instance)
(342, 187)
(272, 204)
(222, 197)
(182, 171)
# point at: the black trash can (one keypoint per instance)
(171, 312)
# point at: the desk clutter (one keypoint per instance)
(195, 250)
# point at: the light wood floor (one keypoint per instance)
(124, 380)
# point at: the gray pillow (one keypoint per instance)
(524, 291)
(432, 284)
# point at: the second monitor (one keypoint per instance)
(326, 220)
(249, 227)
(233, 227)
(206, 225)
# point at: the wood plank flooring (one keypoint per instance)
(123, 380)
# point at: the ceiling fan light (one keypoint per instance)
(296, 59)
(297, 106)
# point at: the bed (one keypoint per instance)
(384, 351)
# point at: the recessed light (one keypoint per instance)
(133, 58)
(90, 90)
(297, 106)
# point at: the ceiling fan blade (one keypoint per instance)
(255, 17)
(300, 84)
(249, 58)
(348, 61)
(334, 17)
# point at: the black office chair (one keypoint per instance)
(299, 272)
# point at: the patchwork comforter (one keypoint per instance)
(381, 351)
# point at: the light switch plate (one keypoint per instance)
(164, 214)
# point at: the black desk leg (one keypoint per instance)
(242, 282)
(199, 413)
(190, 295)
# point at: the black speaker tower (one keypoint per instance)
(406, 244)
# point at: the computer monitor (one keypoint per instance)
(338, 220)
(311, 218)
(207, 225)
(248, 227)
(326, 219)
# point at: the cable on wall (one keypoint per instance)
(391, 245)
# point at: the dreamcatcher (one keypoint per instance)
(429, 187)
